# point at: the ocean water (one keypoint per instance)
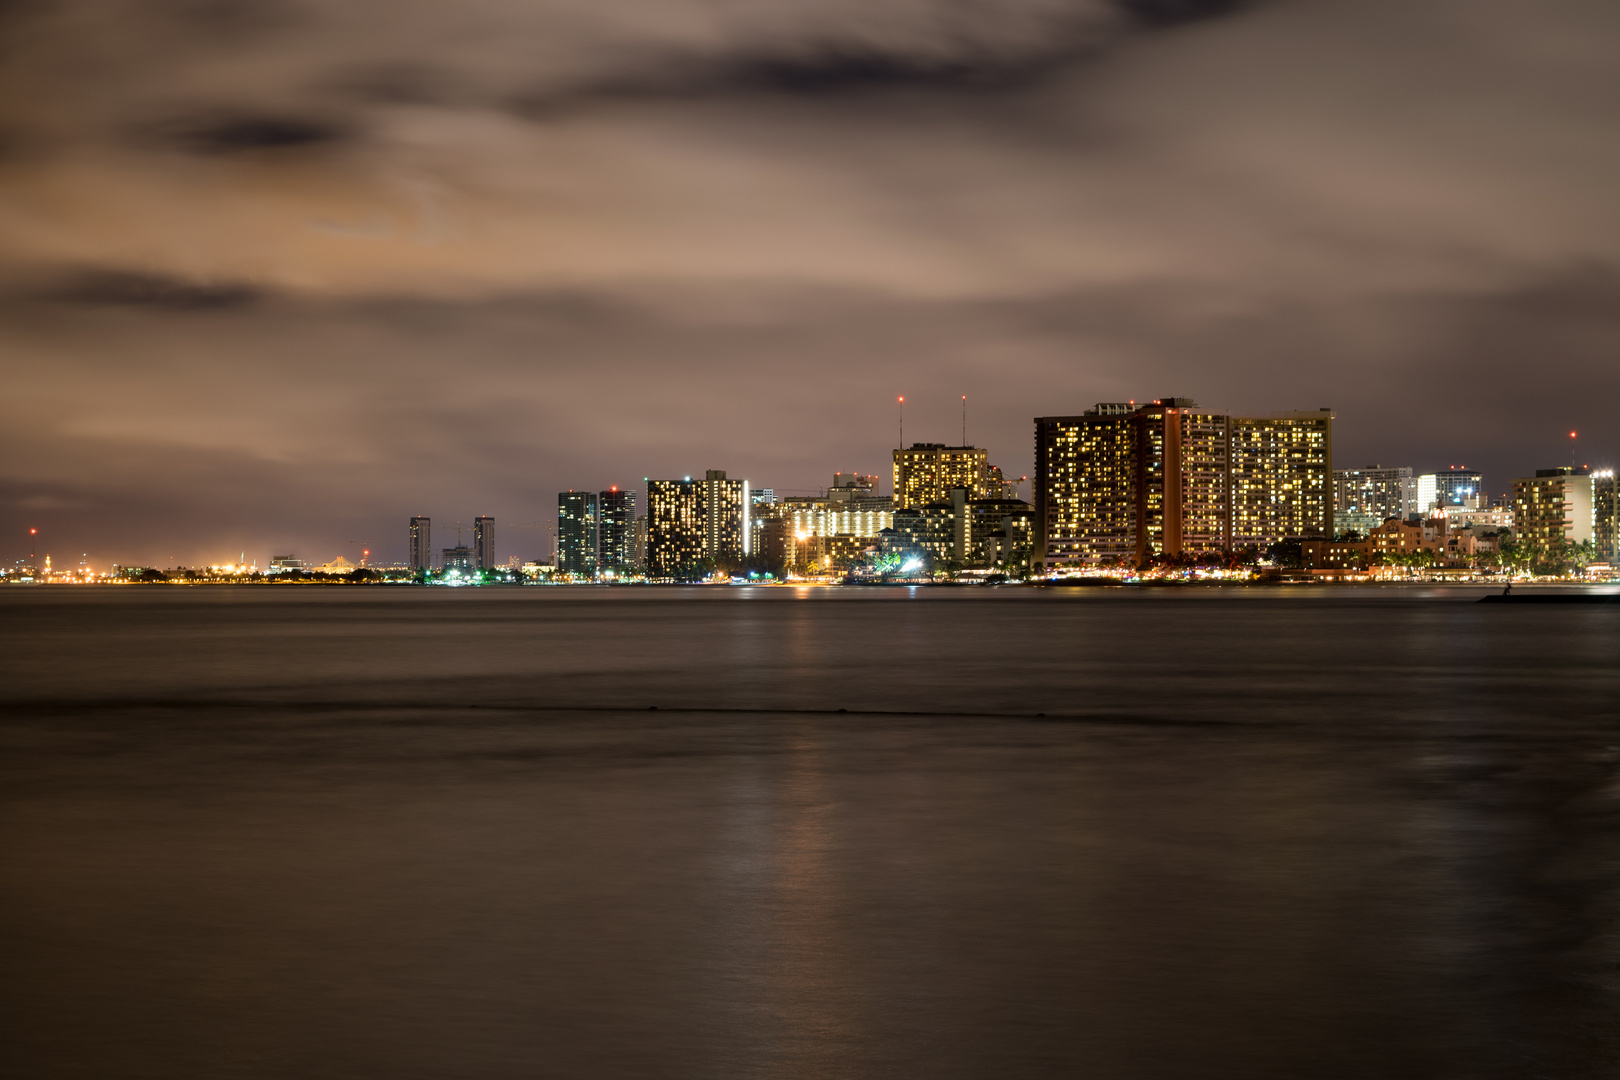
(380, 832)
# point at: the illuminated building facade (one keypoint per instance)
(1085, 503)
(460, 558)
(831, 521)
(1449, 489)
(674, 526)
(616, 531)
(484, 541)
(929, 528)
(1605, 516)
(421, 545)
(578, 532)
(1122, 483)
(1181, 476)
(1554, 505)
(690, 521)
(727, 513)
(926, 473)
(1363, 499)
(1282, 472)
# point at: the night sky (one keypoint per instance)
(276, 275)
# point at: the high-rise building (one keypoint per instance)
(1449, 489)
(1085, 503)
(1123, 483)
(1363, 499)
(484, 541)
(1554, 505)
(460, 558)
(578, 532)
(1605, 515)
(926, 473)
(421, 543)
(690, 521)
(727, 510)
(1182, 474)
(1282, 477)
(616, 532)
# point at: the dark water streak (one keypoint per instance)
(408, 833)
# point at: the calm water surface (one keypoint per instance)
(344, 832)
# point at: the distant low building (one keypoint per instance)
(283, 564)
(460, 558)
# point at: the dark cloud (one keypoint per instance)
(241, 133)
(1158, 13)
(104, 287)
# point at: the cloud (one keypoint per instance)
(243, 133)
(142, 289)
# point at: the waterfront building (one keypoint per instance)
(616, 532)
(995, 533)
(824, 520)
(929, 528)
(926, 472)
(1456, 487)
(1282, 477)
(578, 532)
(693, 521)
(1123, 483)
(1365, 498)
(727, 513)
(284, 564)
(1182, 477)
(460, 558)
(421, 545)
(1084, 491)
(1605, 516)
(1554, 505)
(484, 541)
(1485, 517)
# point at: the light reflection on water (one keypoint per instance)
(1325, 833)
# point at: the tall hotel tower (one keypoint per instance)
(421, 543)
(926, 473)
(689, 521)
(1120, 483)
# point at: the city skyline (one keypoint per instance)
(537, 540)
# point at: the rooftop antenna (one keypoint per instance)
(902, 422)
(964, 419)
(1572, 451)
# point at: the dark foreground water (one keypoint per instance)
(402, 833)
